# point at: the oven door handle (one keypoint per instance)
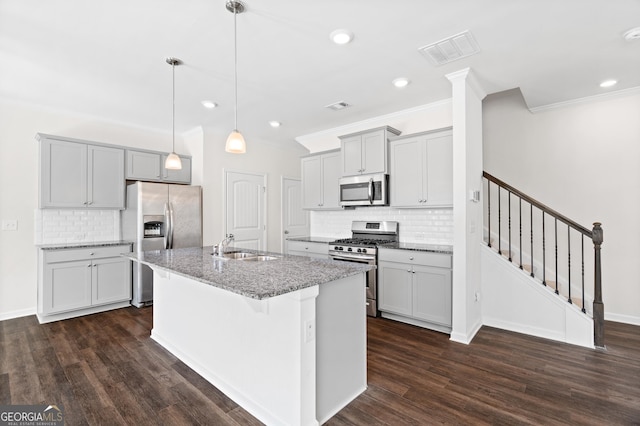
(352, 259)
(370, 190)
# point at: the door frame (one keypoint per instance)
(282, 208)
(225, 173)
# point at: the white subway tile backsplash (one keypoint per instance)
(430, 226)
(73, 226)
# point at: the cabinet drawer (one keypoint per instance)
(425, 258)
(307, 247)
(67, 255)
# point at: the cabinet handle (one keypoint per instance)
(413, 272)
(411, 258)
(89, 266)
(408, 270)
(91, 254)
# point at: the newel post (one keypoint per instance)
(598, 306)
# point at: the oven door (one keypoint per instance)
(371, 281)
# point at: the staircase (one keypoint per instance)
(549, 249)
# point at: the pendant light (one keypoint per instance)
(173, 162)
(235, 141)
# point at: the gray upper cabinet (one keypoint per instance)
(149, 166)
(421, 169)
(366, 152)
(179, 176)
(320, 176)
(80, 175)
(143, 165)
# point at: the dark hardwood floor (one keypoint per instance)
(104, 369)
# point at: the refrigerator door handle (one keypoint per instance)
(167, 226)
(171, 222)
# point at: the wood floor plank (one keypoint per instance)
(105, 369)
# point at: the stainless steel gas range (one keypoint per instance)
(362, 247)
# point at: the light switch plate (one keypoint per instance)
(10, 225)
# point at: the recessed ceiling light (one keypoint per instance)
(632, 34)
(209, 104)
(274, 123)
(401, 82)
(341, 36)
(608, 83)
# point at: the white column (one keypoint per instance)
(467, 98)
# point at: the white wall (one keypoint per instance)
(261, 157)
(582, 160)
(19, 187)
(416, 225)
(19, 183)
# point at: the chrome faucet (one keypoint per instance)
(219, 249)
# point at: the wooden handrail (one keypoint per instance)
(539, 205)
(596, 235)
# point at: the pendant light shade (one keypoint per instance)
(173, 162)
(235, 142)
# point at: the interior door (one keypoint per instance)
(295, 220)
(245, 209)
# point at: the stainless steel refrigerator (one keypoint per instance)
(159, 216)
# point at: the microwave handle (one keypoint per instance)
(370, 190)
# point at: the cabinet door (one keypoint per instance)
(63, 179)
(394, 288)
(106, 183)
(67, 286)
(178, 176)
(311, 183)
(143, 165)
(432, 294)
(331, 181)
(439, 170)
(374, 152)
(351, 156)
(110, 280)
(406, 174)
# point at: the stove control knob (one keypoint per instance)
(349, 249)
(359, 250)
(364, 250)
(340, 248)
(336, 248)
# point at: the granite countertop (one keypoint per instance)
(308, 239)
(62, 246)
(257, 280)
(434, 248)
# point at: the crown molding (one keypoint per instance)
(587, 99)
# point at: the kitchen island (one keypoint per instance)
(284, 338)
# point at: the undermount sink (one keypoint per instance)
(244, 255)
(261, 258)
(238, 255)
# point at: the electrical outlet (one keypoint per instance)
(309, 331)
(10, 225)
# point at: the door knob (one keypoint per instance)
(286, 232)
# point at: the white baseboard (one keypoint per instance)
(626, 319)
(17, 314)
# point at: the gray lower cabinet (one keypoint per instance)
(149, 166)
(80, 175)
(415, 287)
(311, 249)
(74, 282)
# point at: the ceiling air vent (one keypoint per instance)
(451, 48)
(338, 106)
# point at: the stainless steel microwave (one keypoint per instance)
(364, 190)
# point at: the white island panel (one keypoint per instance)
(292, 359)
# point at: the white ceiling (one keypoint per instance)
(107, 58)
